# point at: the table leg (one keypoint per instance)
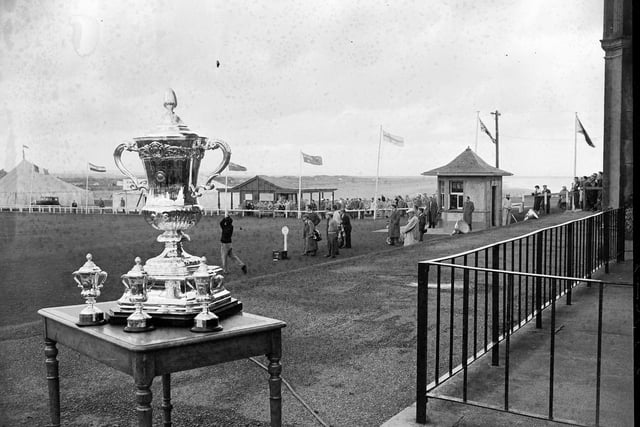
(53, 380)
(143, 401)
(275, 395)
(166, 400)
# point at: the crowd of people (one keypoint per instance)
(586, 192)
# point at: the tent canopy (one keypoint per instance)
(27, 183)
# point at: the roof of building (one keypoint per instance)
(283, 184)
(468, 163)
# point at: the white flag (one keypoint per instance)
(393, 139)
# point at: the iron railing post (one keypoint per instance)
(589, 249)
(495, 306)
(569, 267)
(465, 327)
(606, 242)
(421, 354)
(538, 270)
(621, 231)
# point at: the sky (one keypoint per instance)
(323, 77)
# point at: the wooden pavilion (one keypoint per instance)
(261, 188)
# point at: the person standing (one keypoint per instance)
(562, 203)
(332, 235)
(422, 223)
(546, 195)
(393, 231)
(346, 228)
(433, 211)
(537, 199)
(575, 192)
(308, 236)
(467, 211)
(226, 248)
(411, 229)
(506, 210)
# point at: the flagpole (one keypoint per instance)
(30, 188)
(575, 144)
(300, 189)
(477, 125)
(375, 196)
(86, 197)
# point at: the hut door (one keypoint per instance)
(493, 205)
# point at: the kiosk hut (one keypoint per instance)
(469, 175)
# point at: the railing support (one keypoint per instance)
(538, 270)
(421, 354)
(569, 264)
(495, 306)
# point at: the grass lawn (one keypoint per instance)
(348, 348)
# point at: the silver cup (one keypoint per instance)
(171, 157)
(205, 282)
(136, 282)
(90, 278)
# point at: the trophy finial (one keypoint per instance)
(89, 257)
(170, 100)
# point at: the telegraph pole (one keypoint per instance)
(497, 114)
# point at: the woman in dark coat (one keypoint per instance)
(467, 211)
(310, 243)
(393, 232)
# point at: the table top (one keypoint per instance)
(164, 336)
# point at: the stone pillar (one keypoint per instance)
(618, 104)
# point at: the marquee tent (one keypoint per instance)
(27, 183)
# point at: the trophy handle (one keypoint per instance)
(226, 156)
(75, 278)
(117, 156)
(102, 278)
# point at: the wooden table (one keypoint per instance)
(161, 352)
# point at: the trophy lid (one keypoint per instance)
(88, 267)
(203, 269)
(171, 126)
(137, 270)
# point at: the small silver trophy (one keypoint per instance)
(206, 281)
(90, 278)
(137, 281)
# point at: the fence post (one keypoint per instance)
(538, 271)
(495, 306)
(569, 264)
(421, 351)
(589, 248)
(621, 232)
(607, 240)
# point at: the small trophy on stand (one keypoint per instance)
(136, 281)
(90, 278)
(206, 281)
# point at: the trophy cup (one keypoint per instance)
(206, 282)
(90, 278)
(171, 156)
(136, 282)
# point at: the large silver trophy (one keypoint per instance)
(171, 156)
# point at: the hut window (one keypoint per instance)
(456, 194)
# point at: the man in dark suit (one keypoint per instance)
(345, 221)
(422, 223)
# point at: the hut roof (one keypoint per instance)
(468, 163)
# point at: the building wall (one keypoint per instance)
(479, 190)
(618, 104)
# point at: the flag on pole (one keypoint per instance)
(580, 129)
(25, 146)
(393, 139)
(36, 169)
(97, 168)
(484, 129)
(236, 167)
(312, 160)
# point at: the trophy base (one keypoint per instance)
(182, 319)
(206, 322)
(92, 323)
(91, 316)
(203, 329)
(139, 328)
